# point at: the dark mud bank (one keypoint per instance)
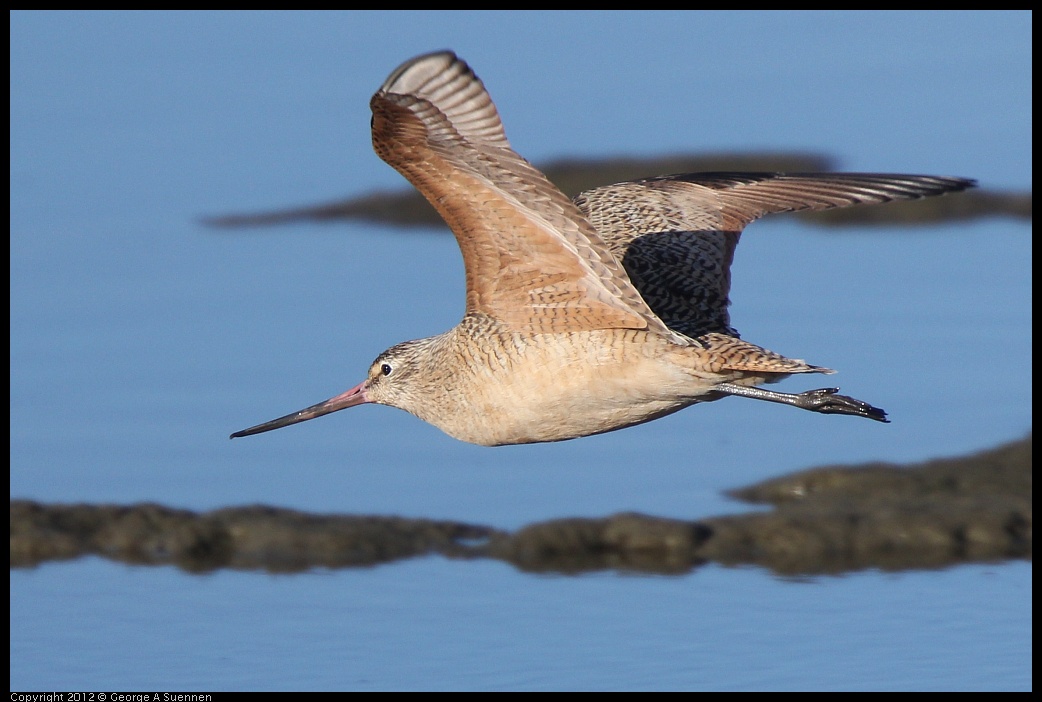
(835, 519)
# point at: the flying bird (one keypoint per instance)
(583, 316)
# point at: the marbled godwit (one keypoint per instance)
(588, 316)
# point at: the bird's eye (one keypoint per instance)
(386, 369)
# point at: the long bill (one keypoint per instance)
(354, 396)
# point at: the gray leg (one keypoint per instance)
(824, 400)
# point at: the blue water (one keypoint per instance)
(140, 339)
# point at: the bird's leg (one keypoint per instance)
(824, 400)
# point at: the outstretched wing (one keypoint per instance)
(676, 235)
(532, 260)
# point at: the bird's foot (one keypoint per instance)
(826, 401)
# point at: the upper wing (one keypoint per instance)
(532, 260)
(676, 235)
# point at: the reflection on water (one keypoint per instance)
(826, 520)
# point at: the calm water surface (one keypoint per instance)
(140, 340)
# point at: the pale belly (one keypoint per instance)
(542, 394)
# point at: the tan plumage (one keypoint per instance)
(581, 317)
(532, 261)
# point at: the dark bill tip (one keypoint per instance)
(354, 396)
